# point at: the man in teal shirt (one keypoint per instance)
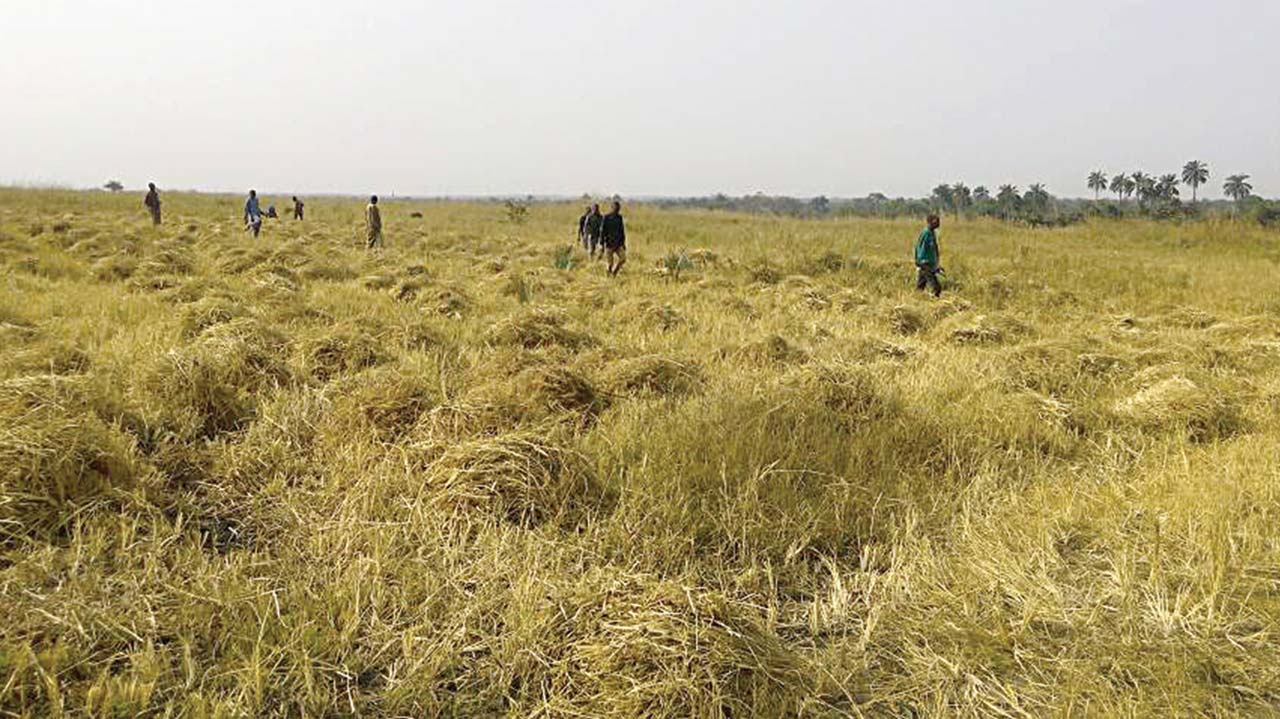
(927, 268)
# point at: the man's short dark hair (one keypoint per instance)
(373, 199)
(617, 205)
(932, 217)
(151, 185)
(253, 193)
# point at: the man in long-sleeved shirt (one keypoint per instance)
(927, 257)
(582, 226)
(297, 208)
(591, 229)
(152, 203)
(253, 214)
(613, 234)
(373, 223)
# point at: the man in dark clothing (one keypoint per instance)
(614, 236)
(152, 203)
(591, 230)
(582, 226)
(297, 208)
(927, 256)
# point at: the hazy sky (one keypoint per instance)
(645, 97)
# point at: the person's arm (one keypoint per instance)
(622, 232)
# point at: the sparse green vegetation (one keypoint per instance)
(470, 475)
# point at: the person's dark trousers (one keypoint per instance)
(927, 276)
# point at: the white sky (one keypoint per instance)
(644, 97)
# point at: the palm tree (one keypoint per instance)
(1117, 185)
(961, 197)
(1142, 185)
(1037, 195)
(942, 197)
(1167, 187)
(1097, 183)
(1195, 173)
(981, 193)
(1129, 187)
(1237, 187)
(1007, 196)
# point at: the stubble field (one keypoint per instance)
(470, 475)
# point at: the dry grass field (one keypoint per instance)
(470, 475)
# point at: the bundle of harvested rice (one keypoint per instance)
(209, 311)
(211, 386)
(537, 328)
(642, 646)
(654, 374)
(56, 454)
(1179, 403)
(906, 320)
(773, 349)
(526, 478)
(853, 392)
(385, 400)
(341, 350)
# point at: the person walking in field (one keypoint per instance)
(591, 230)
(582, 226)
(373, 223)
(927, 256)
(613, 234)
(297, 208)
(253, 214)
(152, 203)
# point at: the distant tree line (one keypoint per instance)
(1137, 194)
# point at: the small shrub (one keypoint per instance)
(517, 212)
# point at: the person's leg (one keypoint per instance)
(934, 285)
(922, 278)
(622, 260)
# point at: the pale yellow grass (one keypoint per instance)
(292, 478)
